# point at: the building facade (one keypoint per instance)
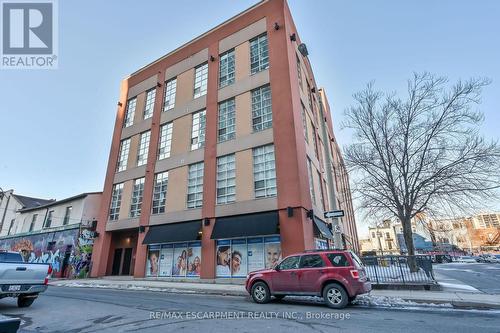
(59, 232)
(218, 162)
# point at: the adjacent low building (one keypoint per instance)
(59, 232)
(223, 157)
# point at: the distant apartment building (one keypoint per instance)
(59, 232)
(219, 165)
(478, 233)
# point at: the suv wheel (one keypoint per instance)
(335, 296)
(260, 293)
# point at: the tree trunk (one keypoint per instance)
(408, 236)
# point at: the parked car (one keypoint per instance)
(492, 259)
(337, 276)
(466, 259)
(22, 280)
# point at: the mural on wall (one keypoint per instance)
(68, 251)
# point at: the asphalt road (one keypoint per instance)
(484, 277)
(103, 310)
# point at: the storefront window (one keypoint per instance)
(174, 259)
(238, 257)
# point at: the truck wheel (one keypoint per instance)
(335, 296)
(260, 293)
(24, 302)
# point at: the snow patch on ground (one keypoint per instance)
(458, 286)
(387, 301)
(128, 287)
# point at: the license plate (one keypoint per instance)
(14, 288)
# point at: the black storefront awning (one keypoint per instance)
(173, 232)
(322, 228)
(246, 225)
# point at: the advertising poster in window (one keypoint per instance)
(166, 259)
(239, 258)
(194, 259)
(272, 251)
(223, 258)
(255, 252)
(153, 260)
(180, 260)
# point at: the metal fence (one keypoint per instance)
(394, 269)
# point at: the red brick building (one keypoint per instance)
(218, 156)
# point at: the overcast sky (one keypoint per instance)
(56, 126)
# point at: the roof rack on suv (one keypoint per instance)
(317, 250)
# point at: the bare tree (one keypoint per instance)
(421, 153)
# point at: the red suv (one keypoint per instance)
(337, 276)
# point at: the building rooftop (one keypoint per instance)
(30, 202)
(50, 203)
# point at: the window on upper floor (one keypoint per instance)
(226, 120)
(198, 130)
(299, 72)
(11, 226)
(67, 215)
(170, 90)
(123, 155)
(142, 152)
(311, 181)
(264, 171)
(226, 179)
(48, 220)
(150, 103)
(200, 80)
(259, 54)
(165, 141)
(136, 200)
(304, 122)
(321, 194)
(195, 185)
(33, 221)
(116, 202)
(226, 68)
(160, 192)
(262, 115)
(130, 112)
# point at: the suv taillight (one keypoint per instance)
(355, 273)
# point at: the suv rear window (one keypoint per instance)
(10, 257)
(338, 259)
(311, 261)
(356, 260)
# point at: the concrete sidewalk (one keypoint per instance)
(455, 299)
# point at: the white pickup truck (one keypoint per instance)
(22, 280)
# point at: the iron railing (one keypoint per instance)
(393, 269)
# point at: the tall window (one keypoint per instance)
(67, 215)
(311, 181)
(123, 155)
(226, 68)
(198, 130)
(315, 140)
(299, 71)
(200, 80)
(309, 96)
(160, 192)
(321, 197)
(150, 103)
(195, 185)
(304, 122)
(226, 121)
(259, 54)
(33, 221)
(48, 220)
(130, 112)
(11, 226)
(264, 172)
(226, 179)
(142, 152)
(116, 202)
(170, 89)
(262, 116)
(165, 141)
(136, 201)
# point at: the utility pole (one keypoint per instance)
(338, 243)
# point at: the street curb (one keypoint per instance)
(465, 305)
